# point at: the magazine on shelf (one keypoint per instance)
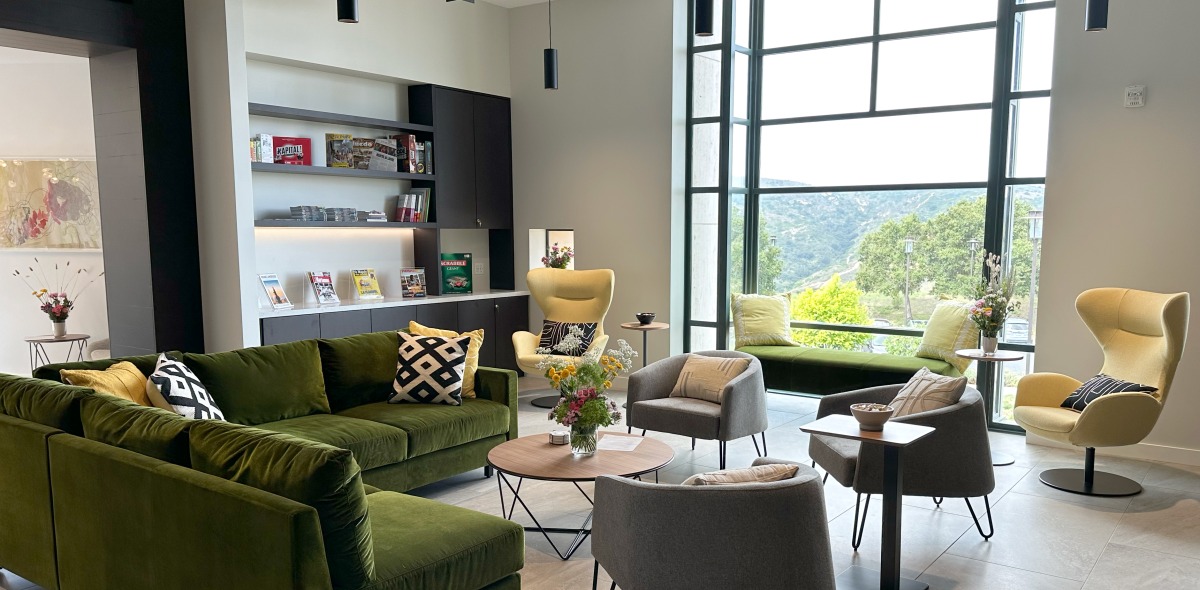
(366, 284)
(401, 140)
(296, 151)
(383, 155)
(362, 149)
(322, 284)
(339, 150)
(456, 273)
(274, 289)
(412, 280)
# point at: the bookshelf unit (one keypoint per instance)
(328, 171)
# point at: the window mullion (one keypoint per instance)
(875, 56)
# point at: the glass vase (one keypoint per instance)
(583, 440)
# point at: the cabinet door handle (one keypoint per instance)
(497, 306)
(478, 223)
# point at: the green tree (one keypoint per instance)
(835, 303)
(881, 256)
(770, 258)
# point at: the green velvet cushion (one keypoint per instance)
(144, 363)
(373, 444)
(456, 549)
(415, 472)
(312, 473)
(26, 515)
(824, 371)
(46, 403)
(433, 427)
(153, 432)
(263, 384)
(360, 369)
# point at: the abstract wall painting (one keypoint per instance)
(49, 204)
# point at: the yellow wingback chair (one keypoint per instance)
(1142, 335)
(577, 296)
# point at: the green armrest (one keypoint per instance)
(500, 386)
(26, 516)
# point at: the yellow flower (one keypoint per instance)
(607, 384)
(570, 369)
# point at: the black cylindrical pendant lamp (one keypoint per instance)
(1096, 15)
(704, 18)
(347, 11)
(551, 58)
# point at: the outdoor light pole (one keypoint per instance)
(973, 244)
(1035, 236)
(908, 248)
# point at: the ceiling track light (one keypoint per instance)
(550, 55)
(347, 11)
(1096, 16)
(704, 18)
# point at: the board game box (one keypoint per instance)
(456, 273)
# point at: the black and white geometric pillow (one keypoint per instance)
(554, 332)
(173, 386)
(1101, 385)
(429, 369)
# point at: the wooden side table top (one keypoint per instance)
(999, 356)
(51, 338)
(895, 434)
(640, 327)
(533, 457)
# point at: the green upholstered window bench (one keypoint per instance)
(823, 371)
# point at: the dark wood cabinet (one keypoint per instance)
(512, 315)
(481, 313)
(345, 323)
(392, 318)
(453, 146)
(493, 162)
(438, 315)
(290, 329)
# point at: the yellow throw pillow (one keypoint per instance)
(705, 377)
(761, 320)
(123, 380)
(472, 364)
(950, 328)
(756, 474)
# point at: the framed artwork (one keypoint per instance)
(49, 204)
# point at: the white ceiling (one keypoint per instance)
(513, 3)
(10, 55)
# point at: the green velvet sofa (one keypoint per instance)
(824, 371)
(290, 493)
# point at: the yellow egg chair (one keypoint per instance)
(1142, 335)
(576, 296)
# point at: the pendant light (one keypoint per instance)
(1096, 16)
(347, 11)
(704, 18)
(550, 55)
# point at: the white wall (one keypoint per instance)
(47, 111)
(454, 44)
(597, 155)
(1123, 189)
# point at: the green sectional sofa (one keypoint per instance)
(300, 489)
(823, 371)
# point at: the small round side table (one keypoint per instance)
(989, 362)
(645, 329)
(37, 352)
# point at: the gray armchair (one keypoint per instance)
(765, 536)
(742, 413)
(952, 462)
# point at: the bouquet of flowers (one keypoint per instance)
(559, 257)
(993, 298)
(582, 383)
(57, 304)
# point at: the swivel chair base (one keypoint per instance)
(1088, 481)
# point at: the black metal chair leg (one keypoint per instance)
(722, 443)
(643, 432)
(630, 430)
(825, 479)
(856, 535)
(693, 443)
(938, 501)
(991, 526)
(764, 435)
(614, 586)
(595, 574)
(757, 452)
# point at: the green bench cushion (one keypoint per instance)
(455, 549)
(145, 363)
(263, 384)
(374, 444)
(433, 427)
(46, 403)
(824, 371)
(312, 473)
(153, 432)
(359, 369)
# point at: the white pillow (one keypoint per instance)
(173, 386)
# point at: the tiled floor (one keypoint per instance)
(1045, 539)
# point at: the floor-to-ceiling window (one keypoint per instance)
(862, 156)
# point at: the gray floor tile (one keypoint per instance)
(1163, 520)
(951, 572)
(1171, 475)
(1130, 568)
(11, 581)
(1043, 535)
(925, 536)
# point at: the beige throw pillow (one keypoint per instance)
(761, 320)
(928, 391)
(705, 377)
(756, 474)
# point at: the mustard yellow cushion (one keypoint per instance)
(472, 364)
(756, 474)
(761, 320)
(123, 380)
(950, 328)
(705, 377)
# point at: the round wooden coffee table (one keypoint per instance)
(533, 457)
